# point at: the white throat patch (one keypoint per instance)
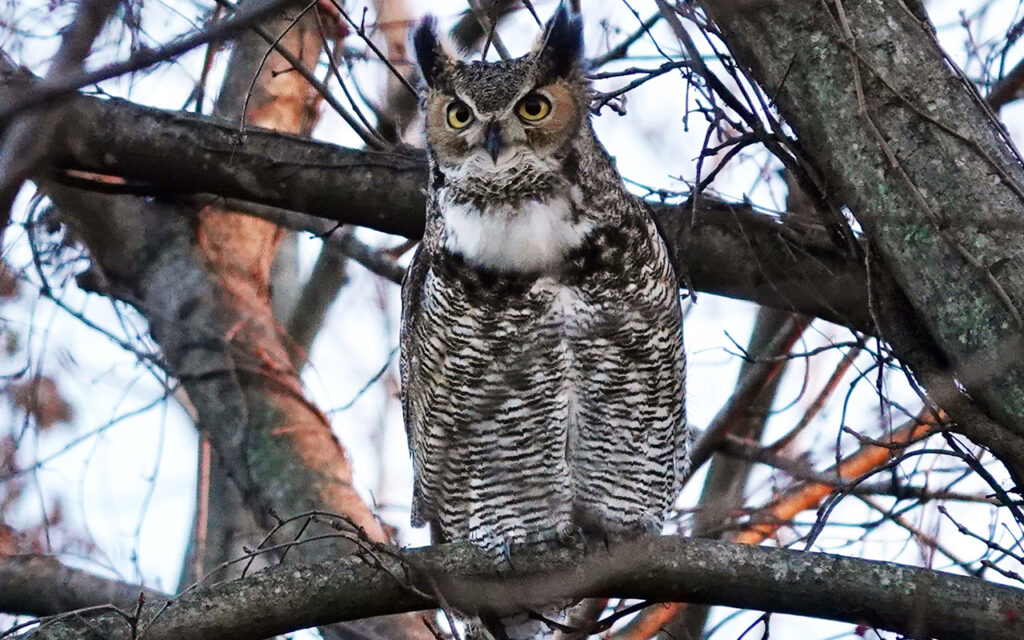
(530, 236)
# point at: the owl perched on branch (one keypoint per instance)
(542, 358)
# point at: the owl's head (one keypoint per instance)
(518, 115)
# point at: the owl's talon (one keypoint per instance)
(570, 534)
(506, 554)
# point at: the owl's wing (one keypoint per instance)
(630, 450)
(414, 387)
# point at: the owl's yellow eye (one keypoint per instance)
(459, 114)
(534, 107)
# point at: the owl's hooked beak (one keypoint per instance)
(492, 140)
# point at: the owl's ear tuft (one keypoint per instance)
(560, 48)
(430, 53)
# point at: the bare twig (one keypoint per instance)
(221, 30)
(374, 260)
(1007, 89)
(620, 50)
(756, 377)
(28, 139)
(769, 518)
(489, 27)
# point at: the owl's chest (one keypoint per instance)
(530, 235)
(524, 306)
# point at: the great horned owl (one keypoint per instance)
(542, 359)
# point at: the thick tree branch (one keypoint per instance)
(1007, 89)
(728, 249)
(204, 287)
(27, 138)
(899, 136)
(202, 281)
(909, 600)
(273, 443)
(236, 253)
(180, 153)
(42, 586)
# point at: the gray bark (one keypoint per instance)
(145, 253)
(899, 136)
(727, 249)
(182, 153)
(912, 601)
(41, 586)
(26, 139)
(271, 443)
(231, 525)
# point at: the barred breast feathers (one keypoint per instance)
(497, 388)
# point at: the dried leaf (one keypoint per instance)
(41, 399)
(9, 541)
(8, 282)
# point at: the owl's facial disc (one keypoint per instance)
(505, 128)
(528, 130)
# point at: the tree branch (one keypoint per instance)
(224, 29)
(41, 586)
(727, 249)
(1006, 89)
(27, 138)
(908, 600)
(902, 138)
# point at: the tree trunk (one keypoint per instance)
(901, 138)
(203, 282)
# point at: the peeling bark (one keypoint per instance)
(203, 282)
